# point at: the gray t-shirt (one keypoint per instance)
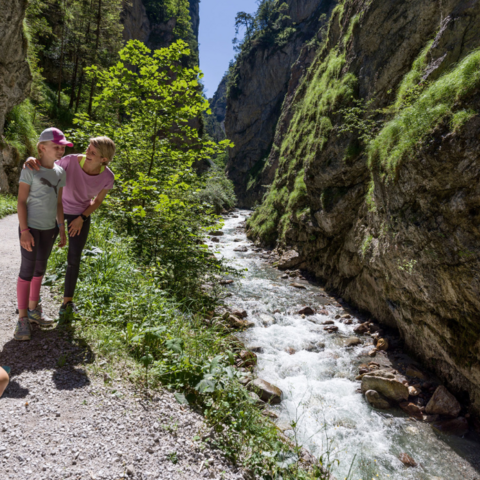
(42, 199)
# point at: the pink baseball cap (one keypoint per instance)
(54, 135)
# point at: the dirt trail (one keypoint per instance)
(60, 422)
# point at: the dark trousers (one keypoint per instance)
(34, 263)
(75, 246)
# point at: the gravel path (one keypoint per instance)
(57, 422)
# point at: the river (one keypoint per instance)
(320, 392)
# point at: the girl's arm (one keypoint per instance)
(76, 226)
(61, 219)
(26, 239)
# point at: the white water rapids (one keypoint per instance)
(319, 388)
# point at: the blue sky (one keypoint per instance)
(217, 29)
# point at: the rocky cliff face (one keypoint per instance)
(15, 80)
(215, 123)
(254, 106)
(388, 217)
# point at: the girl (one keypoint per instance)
(40, 214)
(4, 378)
(88, 182)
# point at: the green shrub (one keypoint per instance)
(8, 205)
(20, 128)
(218, 192)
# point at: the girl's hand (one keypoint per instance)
(32, 164)
(63, 237)
(27, 241)
(75, 227)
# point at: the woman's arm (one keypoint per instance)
(26, 239)
(61, 219)
(76, 226)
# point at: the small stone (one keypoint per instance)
(217, 233)
(298, 285)
(284, 276)
(346, 316)
(256, 349)
(225, 282)
(372, 353)
(130, 470)
(289, 259)
(240, 313)
(382, 344)
(387, 383)
(247, 359)
(215, 240)
(443, 403)
(267, 320)
(331, 328)
(323, 312)
(240, 249)
(361, 329)
(266, 391)
(306, 311)
(290, 350)
(269, 413)
(407, 460)
(328, 322)
(352, 342)
(414, 391)
(414, 372)
(411, 409)
(256, 399)
(377, 400)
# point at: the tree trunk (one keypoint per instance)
(74, 79)
(95, 53)
(62, 51)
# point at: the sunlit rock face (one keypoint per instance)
(401, 243)
(254, 106)
(15, 79)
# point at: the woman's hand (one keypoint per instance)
(32, 164)
(27, 241)
(75, 227)
(63, 237)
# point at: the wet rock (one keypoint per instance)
(306, 311)
(372, 353)
(235, 322)
(377, 400)
(267, 320)
(443, 403)
(346, 316)
(240, 313)
(457, 426)
(407, 460)
(240, 249)
(284, 276)
(352, 342)
(315, 347)
(331, 328)
(269, 413)
(414, 391)
(361, 329)
(298, 285)
(257, 349)
(293, 274)
(247, 359)
(290, 351)
(323, 312)
(382, 344)
(217, 233)
(414, 372)
(349, 321)
(289, 259)
(225, 282)
(328, 322)
(430, 418)
(215, 239)
(267, 392)
(387, 383)
(237, 239)
(411, 409)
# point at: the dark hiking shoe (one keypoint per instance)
(66, 313)
(22, 330)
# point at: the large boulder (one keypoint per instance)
(456, 426)
(266, 391)
(387, 383)
(289, 259)
(443, 403)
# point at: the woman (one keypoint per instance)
(4, 378)
(88, 182)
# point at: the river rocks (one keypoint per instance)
(315, 347)
(328, 322)
(387, 383)
(217, 233)
(290, 350)
(443, 403)
(382, 344)
(256, 399)
(298, 285)
(457, 426)
(225, 282)
(407, 460)
(237, 240)
(411, 409)
(238, 312)
(289, 259)
(414, 372)
(306, 311)
(352, 342)
(361, 329)
(235, 322)
(372, 353)
(414, 391)
(285, 276)
(377, 400)
(215, 239)
(323, 312)
(267, 320)
(266, 391)
(256, 349)
(247, 359)
(331, 328)
(240, 249)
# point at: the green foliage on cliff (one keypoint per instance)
(412, 124)
(8, 205)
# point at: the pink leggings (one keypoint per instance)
(34, 265)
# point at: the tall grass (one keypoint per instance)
(412, 124)
(20, 129)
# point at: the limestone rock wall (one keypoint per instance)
(15, 79)
(253, 111)
(403, 246)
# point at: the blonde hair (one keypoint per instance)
(105, 146)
